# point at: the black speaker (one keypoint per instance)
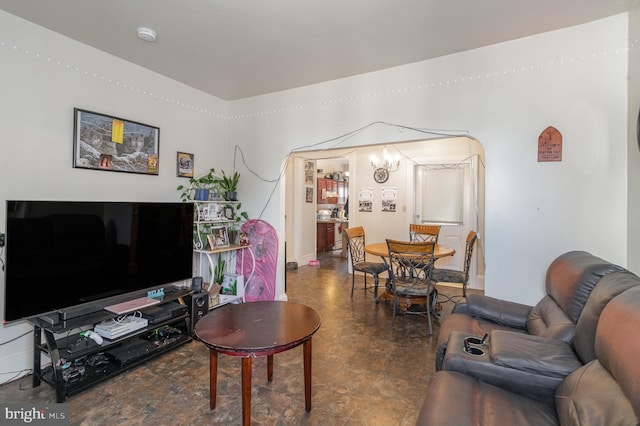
(198, 304)
(196, 284)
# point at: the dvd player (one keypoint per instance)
(114, 328)
(156, 314)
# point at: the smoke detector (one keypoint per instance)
(146, 34)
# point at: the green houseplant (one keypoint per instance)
(200, 187)
(229, 185)
(218, 273)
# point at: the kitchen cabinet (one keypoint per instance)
(322, 191)
(325, 236)
(328, 191)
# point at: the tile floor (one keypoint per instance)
(364, 372)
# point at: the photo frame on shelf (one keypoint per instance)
(104, 142)
(229, 212)
(203, 213)
(219, 237)
(184, 165)
(216, 211)
(232, 284)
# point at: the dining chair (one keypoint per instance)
(410, 267)
(454, 276)
(355, 237)
(424, 232)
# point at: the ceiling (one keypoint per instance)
(235, 49)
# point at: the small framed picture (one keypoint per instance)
(232, 284)
(228, 212)
(218, 237)
(184, 165)
(309, 195)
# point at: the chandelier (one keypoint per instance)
(382, 167)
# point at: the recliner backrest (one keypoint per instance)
(609, 287)
(570, 279)
(606, 391)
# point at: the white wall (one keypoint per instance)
(504, 95)
(574, 79)
(633, 167)
(36, 117)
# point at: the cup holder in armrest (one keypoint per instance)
(474, 340)
(473, 350)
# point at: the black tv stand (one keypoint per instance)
(78, 362)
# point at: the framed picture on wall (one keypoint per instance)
(184, 165)
(309, 169)
(309, 195)
(104, 142)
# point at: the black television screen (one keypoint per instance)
(64, 254)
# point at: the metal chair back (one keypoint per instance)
(419, 232)
(410, 265)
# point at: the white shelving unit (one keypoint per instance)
(212, 215)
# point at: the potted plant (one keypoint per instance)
(218, 273)
(200, 187)
(229, 185)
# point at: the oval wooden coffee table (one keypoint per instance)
(255, 329)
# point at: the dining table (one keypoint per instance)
(381, 249)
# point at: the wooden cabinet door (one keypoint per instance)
(331, 233)
(322, 188)
(332, 186)
(321, 237)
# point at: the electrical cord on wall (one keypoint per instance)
(16, 376)
(16, 338)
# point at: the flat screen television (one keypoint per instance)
(67, 256)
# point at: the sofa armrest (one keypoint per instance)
(503, 312)
(460, 308)
(532, 354)
(502, 366)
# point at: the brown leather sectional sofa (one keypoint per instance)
(571, 359)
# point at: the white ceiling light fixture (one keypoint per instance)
(146, 34)
(383, 167)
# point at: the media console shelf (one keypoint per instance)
(79, 362)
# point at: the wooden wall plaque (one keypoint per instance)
(550, 145)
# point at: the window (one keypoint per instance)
(439, 193)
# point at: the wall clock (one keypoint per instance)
(381, 175)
